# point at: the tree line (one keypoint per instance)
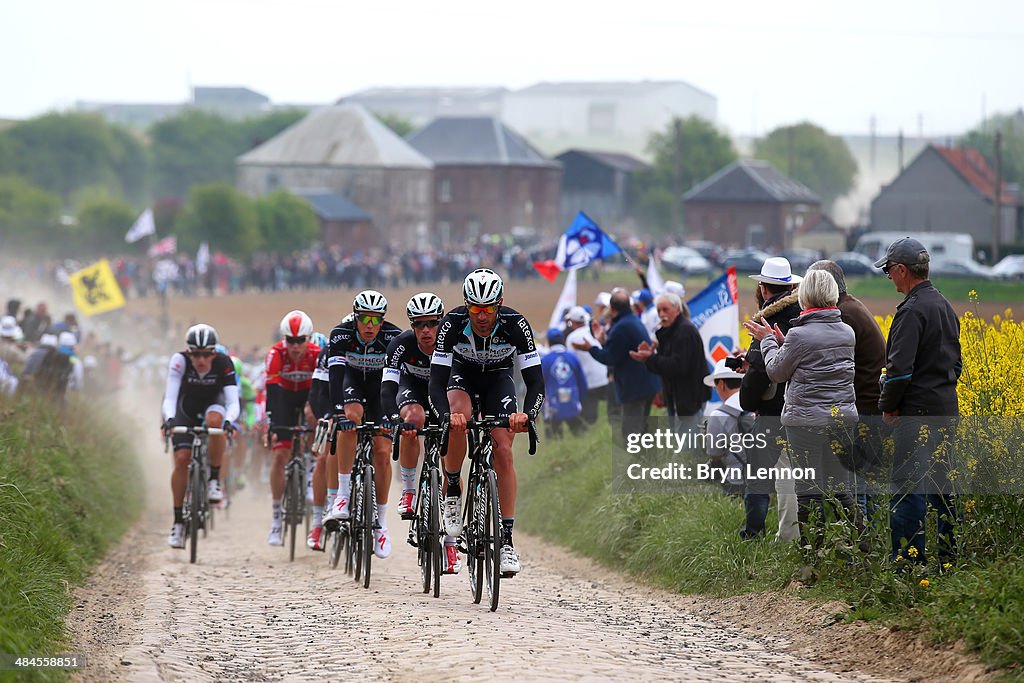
(74, 180)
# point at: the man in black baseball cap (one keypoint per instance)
(923, 365)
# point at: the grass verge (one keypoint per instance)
(689, 544)
(68, 489)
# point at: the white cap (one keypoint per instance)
(677, 288)
(9, 327)
(721, 372)
(603, 299)
(67, 339)
(777, 271)
(577, 314)
(48, 339)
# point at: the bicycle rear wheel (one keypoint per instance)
(473, 527)
(492, 545)
(195, 519)
(369, 515)
(337, 546)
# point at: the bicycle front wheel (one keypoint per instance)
(435, 543)
(369, 515)
(355, 522)
(474, 531)
(492, 545)
(195, 519)
(422, 531)
(293, 508)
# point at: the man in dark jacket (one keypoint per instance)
(758, 394)
(635, 386)
(679, 360)
(923, 366)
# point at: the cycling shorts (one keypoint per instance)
(493, 393)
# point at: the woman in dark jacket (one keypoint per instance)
(815, 359)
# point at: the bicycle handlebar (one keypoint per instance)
(422, 431)
(502, 422)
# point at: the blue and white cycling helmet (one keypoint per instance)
(319, 338)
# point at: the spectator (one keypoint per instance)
(923, 366)
(758, 394)
(679, 360)
(66, 343)
(815, 359)
(643, 306)
(565, 386)
(10, 344)
(868, 359)
(727, 419)
(577, 323)
(635, 386)
(46, 370)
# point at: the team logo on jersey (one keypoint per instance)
(406, 393)
(456, 378)
(506, 401)
(350, 390)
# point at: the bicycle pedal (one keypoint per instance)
(408, 516)
(508, 575)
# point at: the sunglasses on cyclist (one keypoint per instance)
(295, 340)
(474, 310)
(422, 324)
(370, 319)
(195, 353)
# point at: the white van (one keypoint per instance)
(940, 245)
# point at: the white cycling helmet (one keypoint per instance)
(370, 301)
(423, 305)
(482, 287)
(296, 324)
(201, 336)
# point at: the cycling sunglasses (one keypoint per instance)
(370, 319)
(195, 353)
(295, 340)
(474, 310)
(422, 324)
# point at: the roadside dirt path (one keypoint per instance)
(244, 613)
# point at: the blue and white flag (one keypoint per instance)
(716, 313)
(582, 243)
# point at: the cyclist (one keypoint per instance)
(290, 364)
(320, 408)
(404, 392)
(356, 366)
(477, 348)
(201, 389)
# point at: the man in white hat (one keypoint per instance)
(725, 421)
(777, 298)
(577, 325)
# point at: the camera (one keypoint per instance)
(734, 363)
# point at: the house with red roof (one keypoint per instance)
(949, 189)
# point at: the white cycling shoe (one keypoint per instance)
(381, 543)
(214, 493)
(339, 510)
(177, 537)
(451, 513)
(276, 536)
(509, 560)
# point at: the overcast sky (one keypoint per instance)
(938, 64)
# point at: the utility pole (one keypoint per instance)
(997, 222)
(899, 146)
(677, 173)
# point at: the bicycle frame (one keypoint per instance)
(196, 509)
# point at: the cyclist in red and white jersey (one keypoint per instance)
(290, 364)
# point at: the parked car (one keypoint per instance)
(854, 264)
(745, 260)
(1010, 268)
(685, 261)
(959, 267)
(709, 250)
(801, 259)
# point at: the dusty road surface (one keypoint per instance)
(244, 613)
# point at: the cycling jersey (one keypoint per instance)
(357, 367)
(320, 392)
(406, 374)
(479, 365)
(189, 395)
(288, 383)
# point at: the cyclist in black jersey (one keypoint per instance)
(356, 367)
(404, 397)
(478, 346)
(201, 390)
(319, 408)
